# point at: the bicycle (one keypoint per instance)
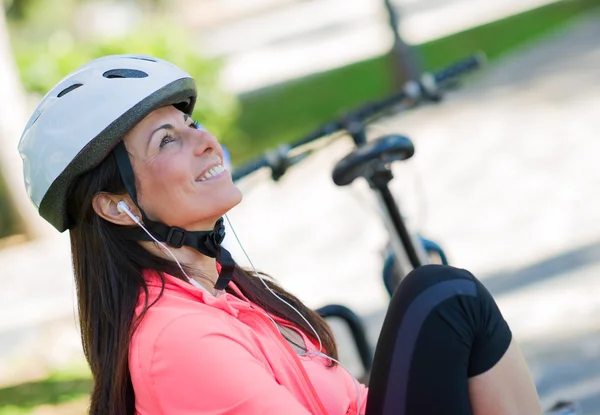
(372, 161)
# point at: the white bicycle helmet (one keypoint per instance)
(79, 122)
(84, 118)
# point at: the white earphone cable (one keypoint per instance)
(122, 207)
(356, 387)
(309, 352)
(268, 288)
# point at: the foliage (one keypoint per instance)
(47, 46)
(43, 64)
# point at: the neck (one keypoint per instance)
(203, 268)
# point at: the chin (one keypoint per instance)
(228, 201)
(238, 194)
(203, 212)
(236, 201)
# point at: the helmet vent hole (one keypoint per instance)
(124, 73)
(68, 89)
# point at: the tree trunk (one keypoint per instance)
(13, 117)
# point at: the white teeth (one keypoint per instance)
(213, 171)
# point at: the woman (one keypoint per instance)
(169, 323)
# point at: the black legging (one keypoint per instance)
(442, 327)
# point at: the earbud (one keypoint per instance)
(123, 208)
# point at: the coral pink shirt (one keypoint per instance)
(198, 354)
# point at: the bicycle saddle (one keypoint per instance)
(361, 161)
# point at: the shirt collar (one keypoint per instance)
(226, 302)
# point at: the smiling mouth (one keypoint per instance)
(212, 173)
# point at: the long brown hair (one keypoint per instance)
(108, 276)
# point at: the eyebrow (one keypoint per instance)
(164, 127)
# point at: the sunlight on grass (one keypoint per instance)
(63, 392)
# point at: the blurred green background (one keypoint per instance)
(63, 392)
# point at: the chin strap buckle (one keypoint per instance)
(176, 237)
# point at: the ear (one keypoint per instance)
(105, 206)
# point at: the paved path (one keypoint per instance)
(505, 177)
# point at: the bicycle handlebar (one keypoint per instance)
(459, 68)
(249, 168)
(427, 88)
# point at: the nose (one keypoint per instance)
(203, 142)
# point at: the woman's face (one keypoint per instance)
(173, 162)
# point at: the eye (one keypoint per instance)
(166, 140)
(197, 126)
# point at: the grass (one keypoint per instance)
(283, 113)
(66, 388)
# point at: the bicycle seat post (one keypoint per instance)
(378, 178)
(372, 161)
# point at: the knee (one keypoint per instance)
(428, 276)
(432, 274)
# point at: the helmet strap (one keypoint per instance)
(206, 242)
